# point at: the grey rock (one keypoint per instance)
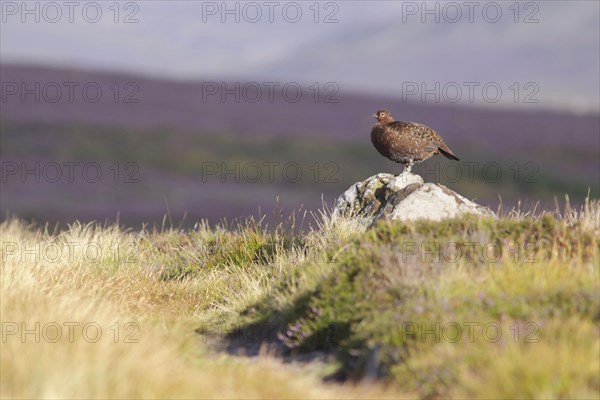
(405, 197)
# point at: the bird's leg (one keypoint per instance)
(408, 167)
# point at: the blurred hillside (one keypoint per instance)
(370, 46)
(180, 148)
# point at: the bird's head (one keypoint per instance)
(383, 117)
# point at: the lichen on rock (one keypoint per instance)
(404, 197)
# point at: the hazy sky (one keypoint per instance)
(544, 51)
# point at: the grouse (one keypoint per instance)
(406, 142)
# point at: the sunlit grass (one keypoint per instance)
(127, 305)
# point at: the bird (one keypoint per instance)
(406, 143)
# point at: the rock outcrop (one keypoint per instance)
(404, 197)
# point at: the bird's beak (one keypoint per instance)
(374, 116)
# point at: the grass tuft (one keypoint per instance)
(462, 308)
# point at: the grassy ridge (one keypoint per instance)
(427, 305)
(370, 300)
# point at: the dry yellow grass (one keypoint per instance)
(107, 325)
(98, 312)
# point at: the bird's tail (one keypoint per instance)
(448, 154)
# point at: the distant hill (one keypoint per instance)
(361, 45)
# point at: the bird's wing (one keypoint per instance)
(429, 135)
(429, 138)
(416, 130)
(431, 146)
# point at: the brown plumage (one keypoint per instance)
(406, 142)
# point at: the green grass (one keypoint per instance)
(383, 307)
